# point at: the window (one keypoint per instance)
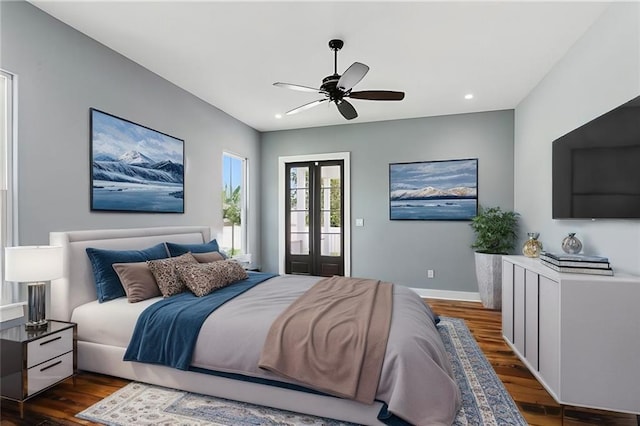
(234, 196)
(9, 293)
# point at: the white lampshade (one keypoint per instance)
(32, 263)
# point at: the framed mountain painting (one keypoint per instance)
(134, 168)
(433, 190)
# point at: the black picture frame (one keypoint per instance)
(134, 168)
(434, 190)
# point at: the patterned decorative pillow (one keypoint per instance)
(212, 256)
(203, 278)
(165, 274)
(138, 281)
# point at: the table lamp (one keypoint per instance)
(34, 265)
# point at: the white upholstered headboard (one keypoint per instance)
(77, 284)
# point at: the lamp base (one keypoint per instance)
(36, 325)
(36, 297)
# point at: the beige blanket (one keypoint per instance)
(333, 338)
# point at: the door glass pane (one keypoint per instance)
(336, 218)
(330, 244)
(300, 221)
(299, 210)
(331, 211)
(299, 232)
(325, 221)
(299, 243)
(299, 177)
(328, 173)
(299, 199)
(330, 197)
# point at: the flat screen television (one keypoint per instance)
(596, 167)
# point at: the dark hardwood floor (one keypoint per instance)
(59, 405)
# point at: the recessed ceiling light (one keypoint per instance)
(468, 96)
(278, 115)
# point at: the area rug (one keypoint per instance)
(485, 401)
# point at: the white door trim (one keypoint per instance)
(282, 161)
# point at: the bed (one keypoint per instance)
(415, 373)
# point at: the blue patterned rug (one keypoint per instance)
(485, 401)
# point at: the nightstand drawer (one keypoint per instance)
(49, 373)
(49, 346)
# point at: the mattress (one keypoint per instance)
(109, 323)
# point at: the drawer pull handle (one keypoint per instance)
(50, 366)
(51, 340)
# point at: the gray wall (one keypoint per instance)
(400, 251)
(61, 74)
(600, 72)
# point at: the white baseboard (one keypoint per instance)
(469, 296)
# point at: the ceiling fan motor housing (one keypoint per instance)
(330, 86)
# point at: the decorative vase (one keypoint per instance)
(571, 245)
(532, 247)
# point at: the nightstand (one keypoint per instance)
(34, 360)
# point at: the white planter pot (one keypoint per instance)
(489, 276)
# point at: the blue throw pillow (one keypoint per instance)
(180, 249)
(108, 285)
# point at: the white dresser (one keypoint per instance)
(578, 334)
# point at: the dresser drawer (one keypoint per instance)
(49, 373)
(48, 347)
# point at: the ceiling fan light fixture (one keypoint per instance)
(336, 87)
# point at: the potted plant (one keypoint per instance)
(495, 231)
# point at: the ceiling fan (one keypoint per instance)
(337, 87)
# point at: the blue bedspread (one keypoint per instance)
(166, 332)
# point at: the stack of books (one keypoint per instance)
(576, 263)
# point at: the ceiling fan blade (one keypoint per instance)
(377, 95)
(298, 87)
(352, 76)
(347, 110)
(305, 107)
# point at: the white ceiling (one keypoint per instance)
(230, 53)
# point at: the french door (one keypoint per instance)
(314, 218)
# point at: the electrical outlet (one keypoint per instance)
(430, 273)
